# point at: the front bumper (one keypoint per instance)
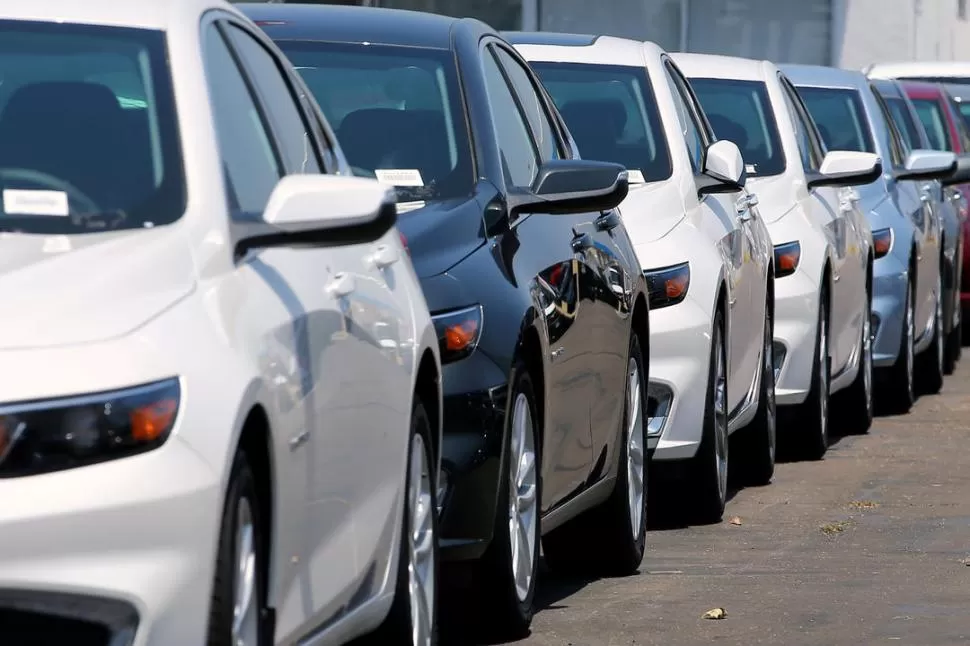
(889, 284)
(121, 551)
(796, 318)
(680, 358)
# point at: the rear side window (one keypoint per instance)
(930, 114)
(88, 130)
(840, 118)
(903, 119)
(740, 111)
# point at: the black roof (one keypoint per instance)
(351, 24)
(548, 38)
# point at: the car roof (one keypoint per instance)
(597, 50)
(918, 68)
(823, 76)
(144, 14)
(353, 24)
(922, 89)
(722, 67)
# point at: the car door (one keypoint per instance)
(359, 400)
(727, 219)
(554, 258)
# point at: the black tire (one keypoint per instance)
(708, 487)
(898, 393)
(953, 348)
(509, 617)
(396, 629)
(603, 541)
(813, 416)
(856, 403)
(929, 363)
(758, 441)
(242, 487)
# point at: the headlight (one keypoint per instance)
(882, 241)
(786, 258)
(668, 285)
(55, 434)
(458, 332)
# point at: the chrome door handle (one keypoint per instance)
(385, 256)
(608, 221)
(343, 284)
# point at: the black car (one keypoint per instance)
(529, 274)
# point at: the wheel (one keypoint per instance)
(758, 440)
(813, 416)
(610, 539)
(899, 393)
(508, 568)
(953, 348)
(929, 364)
(709, 468)
(412, 618)
(856, 403)
(237, 610)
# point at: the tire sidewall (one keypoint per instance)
(420, 425)
(636, 353)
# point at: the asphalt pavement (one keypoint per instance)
(869, 546)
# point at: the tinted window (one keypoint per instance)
(251, 167)
(611, 113)
(688, 126)
(87, 129)
(520, 161)
(393, 109)
(739, 111)
(277, 96)
(897, 147)
(802, 138)
(930, 114)
(840, 118)
(903, 119)
(963, 108)
(542, 130)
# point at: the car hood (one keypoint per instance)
(65, 290)
(776, 198)
(651, 211)
(441, 234)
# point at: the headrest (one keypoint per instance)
(726, 128)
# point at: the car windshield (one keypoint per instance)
(904, 121)
(88, 134)
(612, 114)
(740, 111)
(397, 113)
(931, 116)
(840, 118)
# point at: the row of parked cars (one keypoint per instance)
(306, 301)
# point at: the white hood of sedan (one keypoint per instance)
(776, 195)
(651, 211)
(63, 290)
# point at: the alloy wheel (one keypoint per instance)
(769, 374)
(909, 344)
(823, 377)
(867, 355)
(720, 419)
(523, 519)
(635, 448)
(245, 618)
(938, 325)
(421, 545)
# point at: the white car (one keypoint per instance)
(823, 242)
(205, 436)
(704, 250)
(938, 71)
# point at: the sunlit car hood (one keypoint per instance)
(651, 211)
(775, 195)
(64, 290)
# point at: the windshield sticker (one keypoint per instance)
(22, 202)
(751, 168)
(399, 176)
(635, 176)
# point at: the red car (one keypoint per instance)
(947, 130)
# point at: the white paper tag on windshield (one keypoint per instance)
(404, 207)
(21, 202)
(635, 176)
(399, 176)
(750, 168)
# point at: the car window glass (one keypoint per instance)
(688, 127)
(531, 102)
(840, 118)
(739, 111)
(931, 116)
(519, 158)
(280, 103)
(396, 111)
(801, 131)
(612, 114)
(903, 119)
(897, 145)
(251, 166)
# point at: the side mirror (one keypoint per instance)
(575, 186)
(724, 170)
(846, 168)
(961, 174)
(928, 164)
(325, 209)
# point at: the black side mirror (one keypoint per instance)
(565, 186)
(961, 174)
